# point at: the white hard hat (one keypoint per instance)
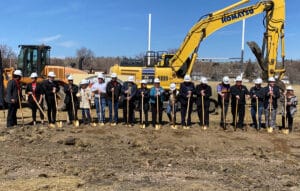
(258, 81)
(33, 75)
(271, 79)
(187, 78)
(84, 81)
(203, 80)
(100, 75)
(238, 79)
(130, 79)
(144, 82)
(226, 80)
(70, 77)
(172, 86)
(18, 72)
(156, 80)
(113, 75)
(51, 74)
(290, 88)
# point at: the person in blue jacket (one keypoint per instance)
(156, 101)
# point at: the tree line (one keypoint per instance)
(85, 59)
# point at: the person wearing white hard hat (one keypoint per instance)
(239, 93)
(257, 103)
(34, 92)
(129, 90)
(85, 96)
(173, 99)
(113, 92)
(223, 90)
(13, 95)
(143, 93)
(289, 112)
(157, 93)
(271, 96)
(99, 93)
(186, 91)
(203, 93)
(71, 99)
(50, 88)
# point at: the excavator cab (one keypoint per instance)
(33, 58)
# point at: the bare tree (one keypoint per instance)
(8, 56)
(87, 57)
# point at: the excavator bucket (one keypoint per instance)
(260, 58)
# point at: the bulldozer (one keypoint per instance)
(36, 58)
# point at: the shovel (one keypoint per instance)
(157, 126)
(285, 130)
(187, 114)
(270, 129)
(34, 99)
(173, 126)
(113, 106)
(75, 122)
(142, 119)
(100, 110)
(236, 111)
(93, 124)
(203, 124)
(58, 123)
(20, 104)
(257, 122)
(223, 113)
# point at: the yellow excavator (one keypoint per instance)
(172, 67)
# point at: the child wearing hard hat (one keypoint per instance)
(291, 108)
(172, 105)
(85, 97)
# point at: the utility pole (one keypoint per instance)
(243, 45)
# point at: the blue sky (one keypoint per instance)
(120, 27)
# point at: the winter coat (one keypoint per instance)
(68, 98)
(240, 91)
(207, 91)
(117, 90)
(12, 91)
(85, 97)
(183, 92)
(259, 93)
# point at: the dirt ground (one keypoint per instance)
(130, 158)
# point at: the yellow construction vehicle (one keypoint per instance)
(36, 58)
(172, 67)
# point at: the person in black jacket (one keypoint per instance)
(34, 92)
(143, 93)
(271, 95)
(257, 102)
(113, 88)
(186, 91)
(50, 88)
(71, 90)
(129, 90)
(238, 99)
(13, 95)
(203, 92)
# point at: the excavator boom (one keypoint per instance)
(275, 17)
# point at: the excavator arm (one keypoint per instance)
(183, 60)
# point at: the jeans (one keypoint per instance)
(86, 116)
(100, 113)
(253, 115)
(116, 107)
(270, 119)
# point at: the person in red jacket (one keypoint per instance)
(34, 92)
